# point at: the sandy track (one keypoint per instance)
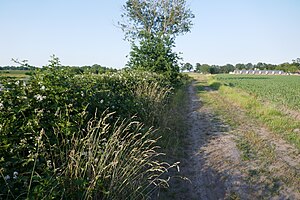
(207, 138)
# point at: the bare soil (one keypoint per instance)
(213, 168)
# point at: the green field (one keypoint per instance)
(281, 90)
(14, 73)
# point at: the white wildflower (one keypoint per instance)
(23, 141)
(17, 82)
(101, 101)
(49, 164)
(15, 175)
(39, 138)
(43, 87)
(39, 97)
(84, 153)
(1, 106)
(7, 177)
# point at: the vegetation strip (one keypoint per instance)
(67, 134)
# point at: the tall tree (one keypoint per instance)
(154, 54)
(205, 69)
(197, 67)
(249, 66)
(152, 26)
(187, 66)
(240, 66)
(226, 68)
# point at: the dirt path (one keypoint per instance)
(205, 182)
(207, 141)
(213, 167)
(212, 164)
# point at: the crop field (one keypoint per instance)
(281, 90)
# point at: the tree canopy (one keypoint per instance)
(187, 67)
(152, 26)
(159, 17)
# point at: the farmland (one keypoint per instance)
(281, 90)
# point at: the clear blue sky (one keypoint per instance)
(85, 33)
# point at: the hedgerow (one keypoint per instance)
(70, 135)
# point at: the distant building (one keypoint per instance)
(260, 72)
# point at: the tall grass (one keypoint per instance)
(154, 97)
(104, 161)
(125, 164)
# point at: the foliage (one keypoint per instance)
(293, 67)
(151, 17)
(15, 68)
(25, 68)
(56, 127)
(187, 67)
(152, 26)
(95, 69)
(204, 68)
(155, 54)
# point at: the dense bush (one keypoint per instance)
(70, 135)
(154, 53)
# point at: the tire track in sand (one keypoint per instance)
(207, 140)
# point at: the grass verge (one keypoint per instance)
(173, 131)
